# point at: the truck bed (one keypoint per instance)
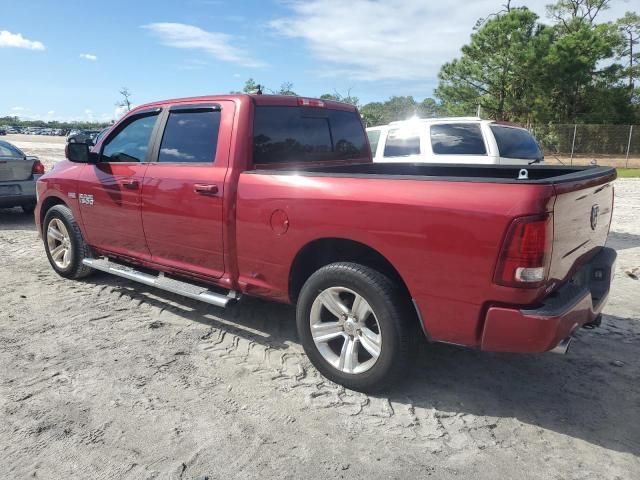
(537, 174)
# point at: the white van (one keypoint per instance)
(453, 140)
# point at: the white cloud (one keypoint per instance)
(391, 39)
(17, 109)
(88, 56)
(218, 45)
(51, 112)
(8, 39)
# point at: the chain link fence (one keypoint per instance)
(576, 144)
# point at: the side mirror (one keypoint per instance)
(80, 153)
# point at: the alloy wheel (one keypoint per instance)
(59, 243)
(345, 330)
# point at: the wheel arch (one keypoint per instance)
(47, 204)
(324, 251)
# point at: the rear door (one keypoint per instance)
(14, 165)
(183, 191)
(109, 191)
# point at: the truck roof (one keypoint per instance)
(272, 100)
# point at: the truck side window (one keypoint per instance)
(402, 142)
(190, 137)
(457, 139)
(131, 143)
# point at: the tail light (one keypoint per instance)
(38, 168)
(526, 254)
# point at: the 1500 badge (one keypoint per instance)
(85, 199)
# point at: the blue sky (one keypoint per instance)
(68, 59)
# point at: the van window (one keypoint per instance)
(516, 143)
(306, 134)
(374, 138)
(402, 142)
(457, 139)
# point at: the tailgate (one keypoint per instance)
(581, 217)
(15, 169)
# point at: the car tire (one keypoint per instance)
(67, 240)
(342, 339)
(28, 209)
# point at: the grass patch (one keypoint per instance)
(628, 172)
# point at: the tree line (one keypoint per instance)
(574, 69)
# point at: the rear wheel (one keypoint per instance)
(64, 244)
(355, 326)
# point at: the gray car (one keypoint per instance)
(18, 176)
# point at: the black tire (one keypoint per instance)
(28, 209)
(79, 249)
(397, 324)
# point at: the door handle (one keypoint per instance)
(130, 183)
(203, 189)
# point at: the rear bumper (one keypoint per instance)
(575, 304)
(22, 193)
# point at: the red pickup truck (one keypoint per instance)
(277, 196)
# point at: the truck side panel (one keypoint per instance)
(442, 237)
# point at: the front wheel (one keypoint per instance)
(355, 326)
(64, 244)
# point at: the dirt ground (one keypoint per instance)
(104, 378)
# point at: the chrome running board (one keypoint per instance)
(172, 285)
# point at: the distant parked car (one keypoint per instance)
(84, 136)
(18, 176)
(3, 131)
(453, 140)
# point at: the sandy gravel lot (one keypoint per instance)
(104, 378)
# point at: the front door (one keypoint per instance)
(109, 191)
(182, 196)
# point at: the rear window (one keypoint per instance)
(516, 143)
(402, 142)
(306, 134)
(8, 150)
(457, 139)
